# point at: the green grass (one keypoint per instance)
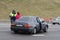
(41, 8)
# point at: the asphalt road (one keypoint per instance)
(52, 34)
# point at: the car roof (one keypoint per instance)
(58, 17)
(30, 16)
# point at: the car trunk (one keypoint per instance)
(20, 24)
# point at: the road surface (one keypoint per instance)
(52, 34)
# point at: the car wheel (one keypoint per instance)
(45, 29)
(58, 23)
(34, 31)
(53, 23)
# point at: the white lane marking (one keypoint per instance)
(37, 35)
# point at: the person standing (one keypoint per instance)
(12, 16)
(18, 15)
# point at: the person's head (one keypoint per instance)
(18, 13)
(14, 11)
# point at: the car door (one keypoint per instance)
(41, 23)
(36, 24)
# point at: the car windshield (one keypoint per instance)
(25, 19)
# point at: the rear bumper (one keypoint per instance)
(21, 29)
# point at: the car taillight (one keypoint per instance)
(27, 26)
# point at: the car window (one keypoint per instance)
(24, 19)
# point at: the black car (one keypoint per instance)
(30, 24)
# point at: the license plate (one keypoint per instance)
(19, 25)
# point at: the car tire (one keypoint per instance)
(45, 29)
(34, 31)
(58, 23)
(53, 23)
